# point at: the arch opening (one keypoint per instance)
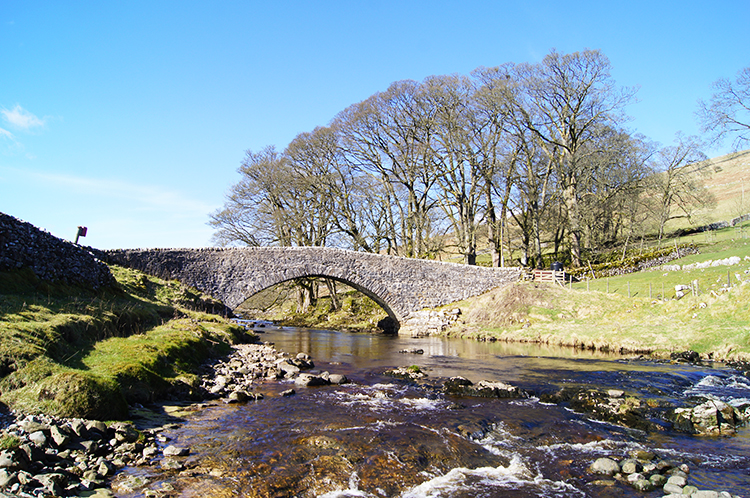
(344, 304)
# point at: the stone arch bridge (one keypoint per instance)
(399, 285)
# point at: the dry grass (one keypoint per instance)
(556, 316)
(729, 182)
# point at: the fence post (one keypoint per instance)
(649, 290)
(628, 288)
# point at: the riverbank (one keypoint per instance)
(716, 327)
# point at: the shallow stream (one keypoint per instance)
(378, 436)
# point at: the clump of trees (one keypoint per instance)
(533, 158)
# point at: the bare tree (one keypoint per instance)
(492, 123)
(676, 187)
(569, 98)
(387, 136)
(254, 210)
(727, 113)
(457, 159)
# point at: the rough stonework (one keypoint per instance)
(22, 245)
(400, 285)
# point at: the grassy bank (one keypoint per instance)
(73, 352)
(715, 319)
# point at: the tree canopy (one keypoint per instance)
(528, 159)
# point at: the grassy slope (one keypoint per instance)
(714, 321)
(72, 352)
(729, 182)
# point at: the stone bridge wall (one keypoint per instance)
(400, 285)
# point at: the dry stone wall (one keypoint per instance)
(400, 285)
(22, 245)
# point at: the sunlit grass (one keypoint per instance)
(74, 352)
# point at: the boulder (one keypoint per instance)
(605, 466)
(338, 379)
(309, 380)
(172, 451)
(712, 418)
(287, 368)
(58, 436)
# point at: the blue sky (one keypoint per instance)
(132, 117)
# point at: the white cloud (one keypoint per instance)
(13, 146)
(21, 118)
(142, 197)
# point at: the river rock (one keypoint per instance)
(630, 466)
(712, 418)
(7, 478)
(686, 357)
(628, 411)
(338, 379)
(96, 426)
(303, 361)
(644, 485)
(484, 388)
(38, 438)
(287, 368)
(172, 450)
(129, 484)
(412, 373)
(8, 460)
(237, 397)
(58, 436)
(310, 380)
(32, 424)
(705, 494)
(672, 489)
(605, 466)
(658, 480)
(171, 464)
(677, 481)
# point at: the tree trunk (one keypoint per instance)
(331, 284)
(574, 224)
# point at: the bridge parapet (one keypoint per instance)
(400, 285)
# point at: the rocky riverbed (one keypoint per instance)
(645, 472)
(42, 456)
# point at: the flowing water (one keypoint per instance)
(379, 436)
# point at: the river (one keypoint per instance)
(380, 437)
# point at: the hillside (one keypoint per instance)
(729, 182)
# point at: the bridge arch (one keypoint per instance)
(386, 307)
(399, 285)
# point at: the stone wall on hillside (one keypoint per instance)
(22, 245)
